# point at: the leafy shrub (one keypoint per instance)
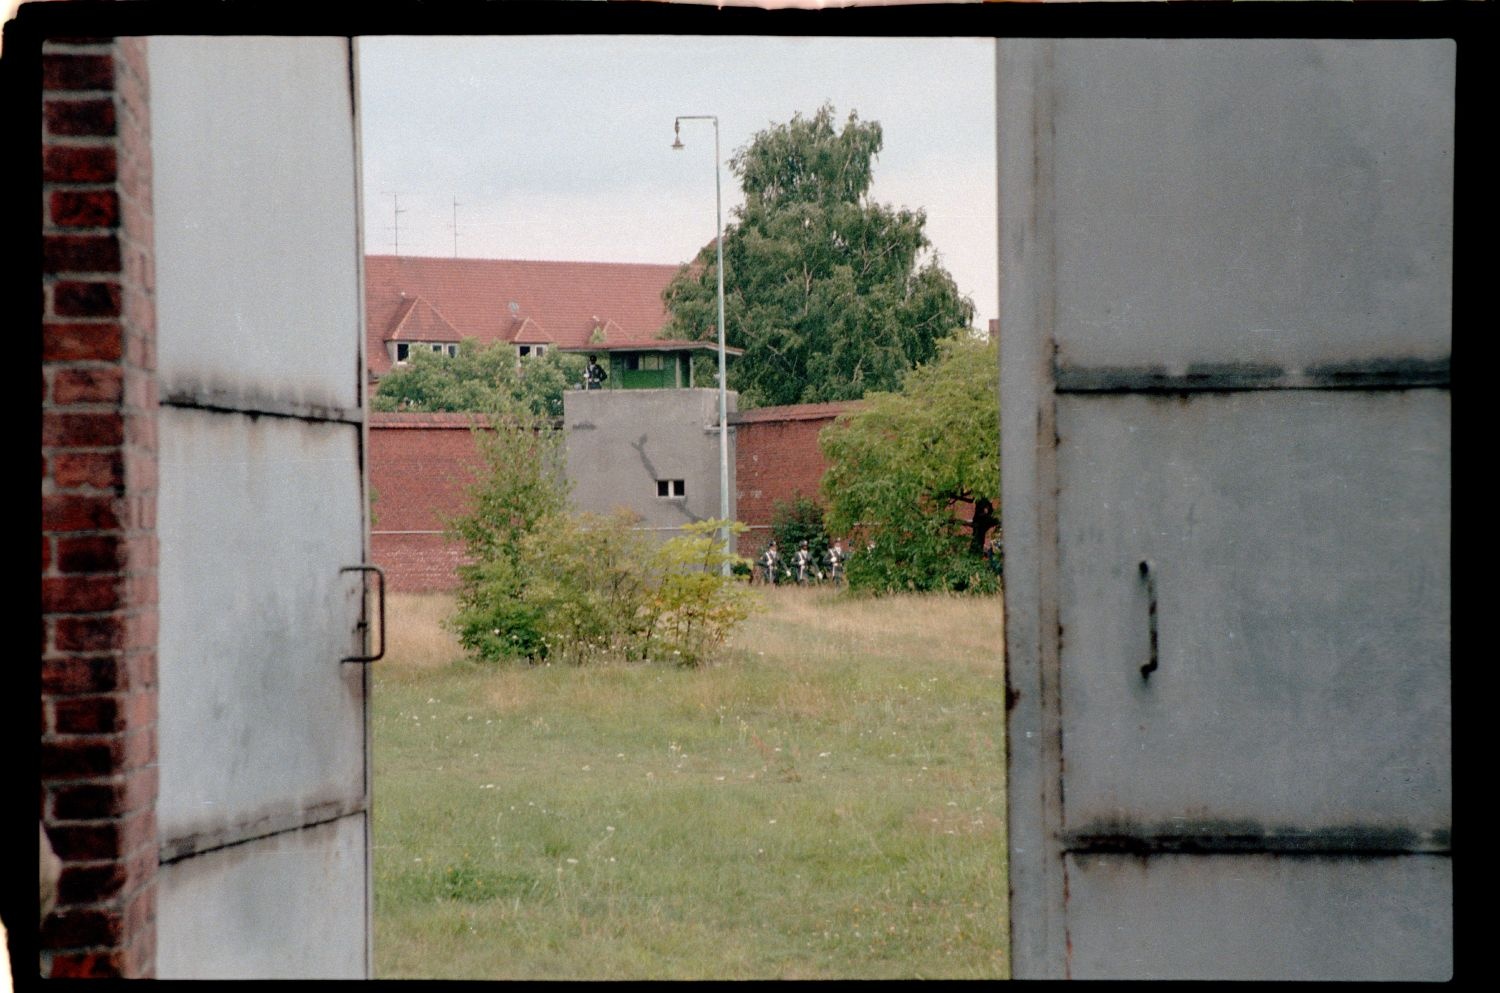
(795, 521)
(544, 584)
(586, 588)
(914, 477)
(494, 621)
(588, 582)
(693, 606)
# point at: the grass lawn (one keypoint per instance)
(827, 802)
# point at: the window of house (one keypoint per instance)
(403, 348)
(668, 488)
(632, 360)
(651, 362)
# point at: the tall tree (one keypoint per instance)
(914, 477)
(829, 294)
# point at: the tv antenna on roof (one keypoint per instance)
(396, 215)
(515, 309)
(455, 227)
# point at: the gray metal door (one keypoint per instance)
(1225, 345)
(264, 776)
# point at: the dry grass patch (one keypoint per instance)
(415, 633)
(820, 623)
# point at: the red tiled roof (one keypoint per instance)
(416, 320)
(557, 303)
(528, 332)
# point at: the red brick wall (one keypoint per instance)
(420, 466)
(99, 617)
(777, 457)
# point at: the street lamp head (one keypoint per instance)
(677, 134)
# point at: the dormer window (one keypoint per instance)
(524, 350)
(402, 349)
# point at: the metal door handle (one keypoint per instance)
(1150, 665)
(380, 587)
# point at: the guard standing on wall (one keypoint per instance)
(594, 375)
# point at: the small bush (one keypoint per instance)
(587, 588)
(797, 520)
(693, 606)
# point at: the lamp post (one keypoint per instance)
(723, 403)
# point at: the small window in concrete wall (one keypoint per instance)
(668, 488)
(402, 350)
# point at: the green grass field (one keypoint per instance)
(827, 802)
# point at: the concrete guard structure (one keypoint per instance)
(655, 451)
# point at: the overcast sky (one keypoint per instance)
(559, 147)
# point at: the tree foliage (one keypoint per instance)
(522, 482)
(914, 476)
(796, 520)
(479, 378)
(829, 294)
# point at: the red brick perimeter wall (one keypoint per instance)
(420, 468)
(777, 457)
(99, 451)
(421, 465)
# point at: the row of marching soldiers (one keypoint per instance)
(802, 568)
